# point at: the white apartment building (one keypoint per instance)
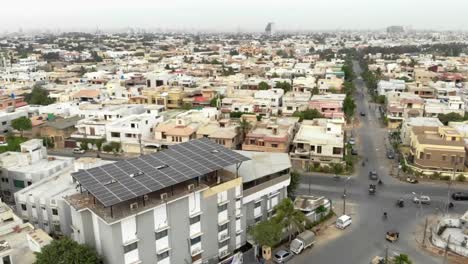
(130, 131)
(30, 165)
(43, 205)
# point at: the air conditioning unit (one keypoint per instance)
(191, 187)
(163, 196)
(223, 236)
(133, 206)
(196, 251)
(145, 197)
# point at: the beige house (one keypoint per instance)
(437, 148)
(271, 135)
(225, 132)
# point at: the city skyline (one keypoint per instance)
(209, 15)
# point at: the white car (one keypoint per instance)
(424, 199)
(351, 141)
(78, 151)
(343, 221)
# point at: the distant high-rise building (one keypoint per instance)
(269, 28)
(395, 29)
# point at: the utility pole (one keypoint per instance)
(424, 235)
(344, 196)
(446, 250)
(139, 142)
(386, 255)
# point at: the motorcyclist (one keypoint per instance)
(385, 215)
(380, 181)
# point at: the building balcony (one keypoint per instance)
(87, 136)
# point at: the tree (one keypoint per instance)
(187, 106)
(38, 96)
(99, 143)
(275, 75)
(349, 106)
(263, 86)
(66, 250)
(450, 117)
(295, 181)
(21, 124)
(291, 219)
(267, 233)
(315, 90)
(286, 86)
(244, 126)
(308, 114)
(402, 259)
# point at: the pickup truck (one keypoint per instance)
(302, 241)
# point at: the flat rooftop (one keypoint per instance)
(128, 179)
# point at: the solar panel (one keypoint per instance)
(127, 179)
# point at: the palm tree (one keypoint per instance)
(245, 127)
(402, 259)
(291, 219)
(99, 144)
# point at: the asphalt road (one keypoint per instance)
(365, 238)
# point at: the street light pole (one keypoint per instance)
(344, 195)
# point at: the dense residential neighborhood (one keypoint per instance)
(140, 147)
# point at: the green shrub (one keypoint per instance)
(461, 178)
(445, 178)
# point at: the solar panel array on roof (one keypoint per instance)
(123, 180)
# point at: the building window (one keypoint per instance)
(23, 207)
(161, 234)
(163, 255)
(54, 211)
(258, 204)
(453, 159)
(223, 227)
(428, 156)
(444, 157)
(194, 220)
(130, 247)
(115, 134)
(258, 219)
(336, 151)
(222, 208)
(274, 145)
(224, 243)
(421, 155)
(319, 149)
(6, 259)
(195, 240)
(18, 183)
(460, 159)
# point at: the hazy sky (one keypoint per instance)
(233, 15)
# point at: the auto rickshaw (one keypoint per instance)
(400, 203)
(392, 236)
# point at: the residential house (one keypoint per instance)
(224, 132)
(383, 87)
(437, 148)
(329, 105)
(453, 104)
(295, 101)
(318, 141)
(400, 106)
(272, 134)
(409, 123)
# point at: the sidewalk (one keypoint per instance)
(452, 258)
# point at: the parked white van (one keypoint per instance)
(343, 221)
